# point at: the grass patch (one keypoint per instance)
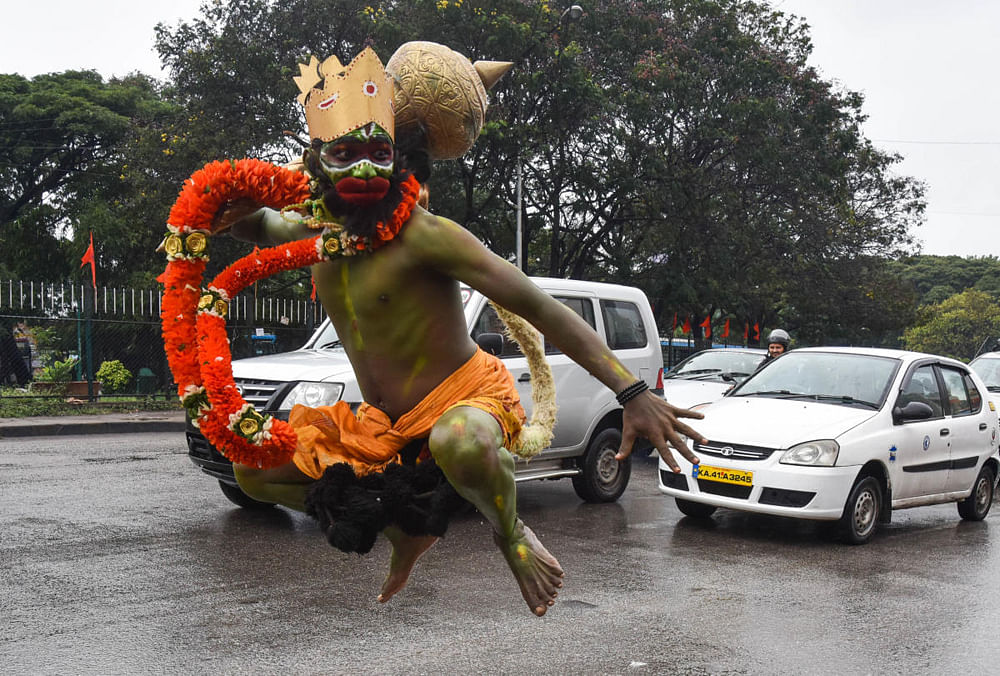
(16, 403)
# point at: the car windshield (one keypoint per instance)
(847, 379)
(723, 365)
(988, 369)
(327, 338)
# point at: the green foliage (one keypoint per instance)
(683, 146)
(936, 278)
(62, 148)
(114, 376)
(956, 327)
(15, 403)
(58, 371)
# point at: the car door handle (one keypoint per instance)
(982, 426)
(524, 378)
(944, 431)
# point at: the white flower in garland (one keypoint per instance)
(195, 402)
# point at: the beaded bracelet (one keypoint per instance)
(631, 392)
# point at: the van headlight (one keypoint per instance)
(312, 394)
(822, 453)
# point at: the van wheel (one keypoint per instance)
(977, 505)
(861, 512)
(696, 510)
(603, 478)
(238, 497)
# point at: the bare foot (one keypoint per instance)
(406, 549)
(537, 572)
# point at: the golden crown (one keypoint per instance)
(339, 99)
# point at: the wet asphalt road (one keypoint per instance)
(119, 557)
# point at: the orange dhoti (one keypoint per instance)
(369, 441)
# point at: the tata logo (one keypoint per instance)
(727, 451)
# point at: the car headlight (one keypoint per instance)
(822, 453)
(312, 394)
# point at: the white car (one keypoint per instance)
(987, 365)
(844, 434)
(588, 428)
(707, 375)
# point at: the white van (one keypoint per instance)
(589, 422)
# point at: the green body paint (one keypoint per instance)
(352, 316)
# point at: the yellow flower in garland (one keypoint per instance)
(215, 301)
(251, 425)
(196, 243)
(173, 245)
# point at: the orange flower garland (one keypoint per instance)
(198, 349)
(247, 436)
(191, 218)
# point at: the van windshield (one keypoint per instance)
(327, 338)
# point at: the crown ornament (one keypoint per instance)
(441, 95)
(339, 99)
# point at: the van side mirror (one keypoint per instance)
(914, 410)
(491, 343)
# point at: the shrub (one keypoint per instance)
(58, 371)
(114, 376)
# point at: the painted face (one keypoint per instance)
(359, 164)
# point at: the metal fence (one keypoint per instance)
(43, 324)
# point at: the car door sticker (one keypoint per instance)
(927, 442)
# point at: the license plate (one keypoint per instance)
(722, 474)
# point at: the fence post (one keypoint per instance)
(88, 338)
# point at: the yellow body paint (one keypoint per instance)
(498, 501)
(349, 308)
(419, 365)
(522, 552)
(618, 367)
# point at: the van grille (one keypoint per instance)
(258, 392)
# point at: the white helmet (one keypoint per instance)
(779, 336)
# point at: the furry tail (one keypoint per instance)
(537, 434)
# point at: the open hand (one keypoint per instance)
(651, 417)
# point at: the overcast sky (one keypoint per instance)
(927, 69)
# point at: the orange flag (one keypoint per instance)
(707, 325)
(88, 257)
(725, 330)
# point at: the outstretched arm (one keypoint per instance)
(262, 226)
(453, 250)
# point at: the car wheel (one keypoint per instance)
(603, 478)
(977, 505)
(697, 510)
(238, 497)
(861, 512)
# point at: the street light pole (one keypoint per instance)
(573, 13)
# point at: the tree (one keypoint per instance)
(956, 327)
(61, 137)
(935, 278)
(684, 146)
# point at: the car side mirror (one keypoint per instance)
(915, 410)
(491, 343)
